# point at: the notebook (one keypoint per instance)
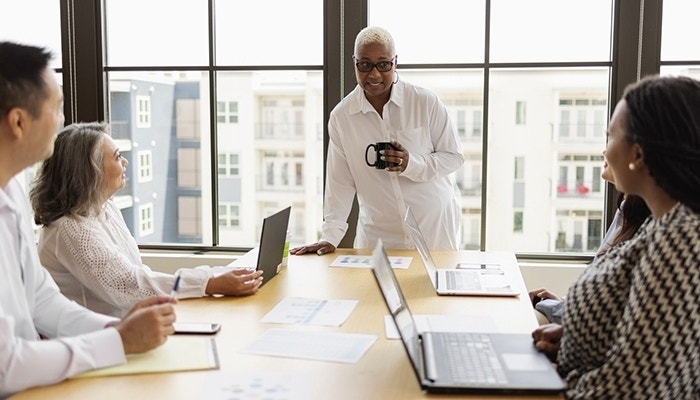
(272, 238)
(464, 362)
(470, 280)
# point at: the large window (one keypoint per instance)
(234, 123)
(538, 94)
(261, 113)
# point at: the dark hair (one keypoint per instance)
(21, 81)
(634, 213)
(664, 118)
(68, 183)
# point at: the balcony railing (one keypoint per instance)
(272, 130)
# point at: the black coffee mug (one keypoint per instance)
(379, 163)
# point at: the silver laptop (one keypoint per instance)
(482, 279)
(272, 238)
(463, 362)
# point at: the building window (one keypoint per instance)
(145, 165)
(466, 115)
(187, 119)
(229, 214)
(468, 178)
(520, 113)
(188, 167)
(227, 112)
(582, 118)
(145, 219)
(283, 170)
(579, 175)
(143, 111)
(571, 235)
(282, 118)
(518, 221)
(519, 174)
(189, 216)
(228, 165)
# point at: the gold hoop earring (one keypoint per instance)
(631, 166)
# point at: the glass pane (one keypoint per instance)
(269, 32)
(561, 168)
(692, 71)
(279, 132)
(177, 137)
(462, 93)
(156, 32)
(446, 31)
(550, 30)
(20, 22)
(680, 30)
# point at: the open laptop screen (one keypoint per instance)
(421, 245)
(396, 303)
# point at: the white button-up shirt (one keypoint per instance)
(30, 303)
(417, 119)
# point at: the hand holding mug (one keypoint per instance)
(391, 156)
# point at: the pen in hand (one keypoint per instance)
(176, 286)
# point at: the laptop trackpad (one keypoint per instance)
(524, 362)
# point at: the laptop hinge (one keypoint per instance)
(428, 357)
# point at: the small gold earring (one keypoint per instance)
(631, 166)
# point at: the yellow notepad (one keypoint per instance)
(179, 353)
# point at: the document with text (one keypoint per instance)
(366, 262)
(298, 310)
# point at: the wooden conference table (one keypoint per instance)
(383, 372)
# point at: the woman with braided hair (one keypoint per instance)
(631, 327)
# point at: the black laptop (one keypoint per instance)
(272, 238)
(463, 362)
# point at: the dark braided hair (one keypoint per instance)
(664, 118)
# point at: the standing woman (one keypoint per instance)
(85, 243)
(631, 328)
(383, 108)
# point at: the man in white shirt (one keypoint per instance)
(426, 150)
(31, 306)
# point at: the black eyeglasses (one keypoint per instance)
(382, 66)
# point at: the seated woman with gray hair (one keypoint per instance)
(85, 243)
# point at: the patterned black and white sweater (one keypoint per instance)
(632, 320)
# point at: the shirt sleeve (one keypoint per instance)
(340, 190)
(29, 363)
(82, 343)
(447, 155)
(104, 268)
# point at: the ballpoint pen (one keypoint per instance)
(176, 286)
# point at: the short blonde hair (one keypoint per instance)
(375, 35)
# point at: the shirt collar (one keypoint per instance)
(359, 103)
(6, 199)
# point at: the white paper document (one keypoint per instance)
(324, 346)
(298, 310)
(270, 385)
(366, 262)
(444, 323)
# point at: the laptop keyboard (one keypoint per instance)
(471, 358)
(462, 280)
